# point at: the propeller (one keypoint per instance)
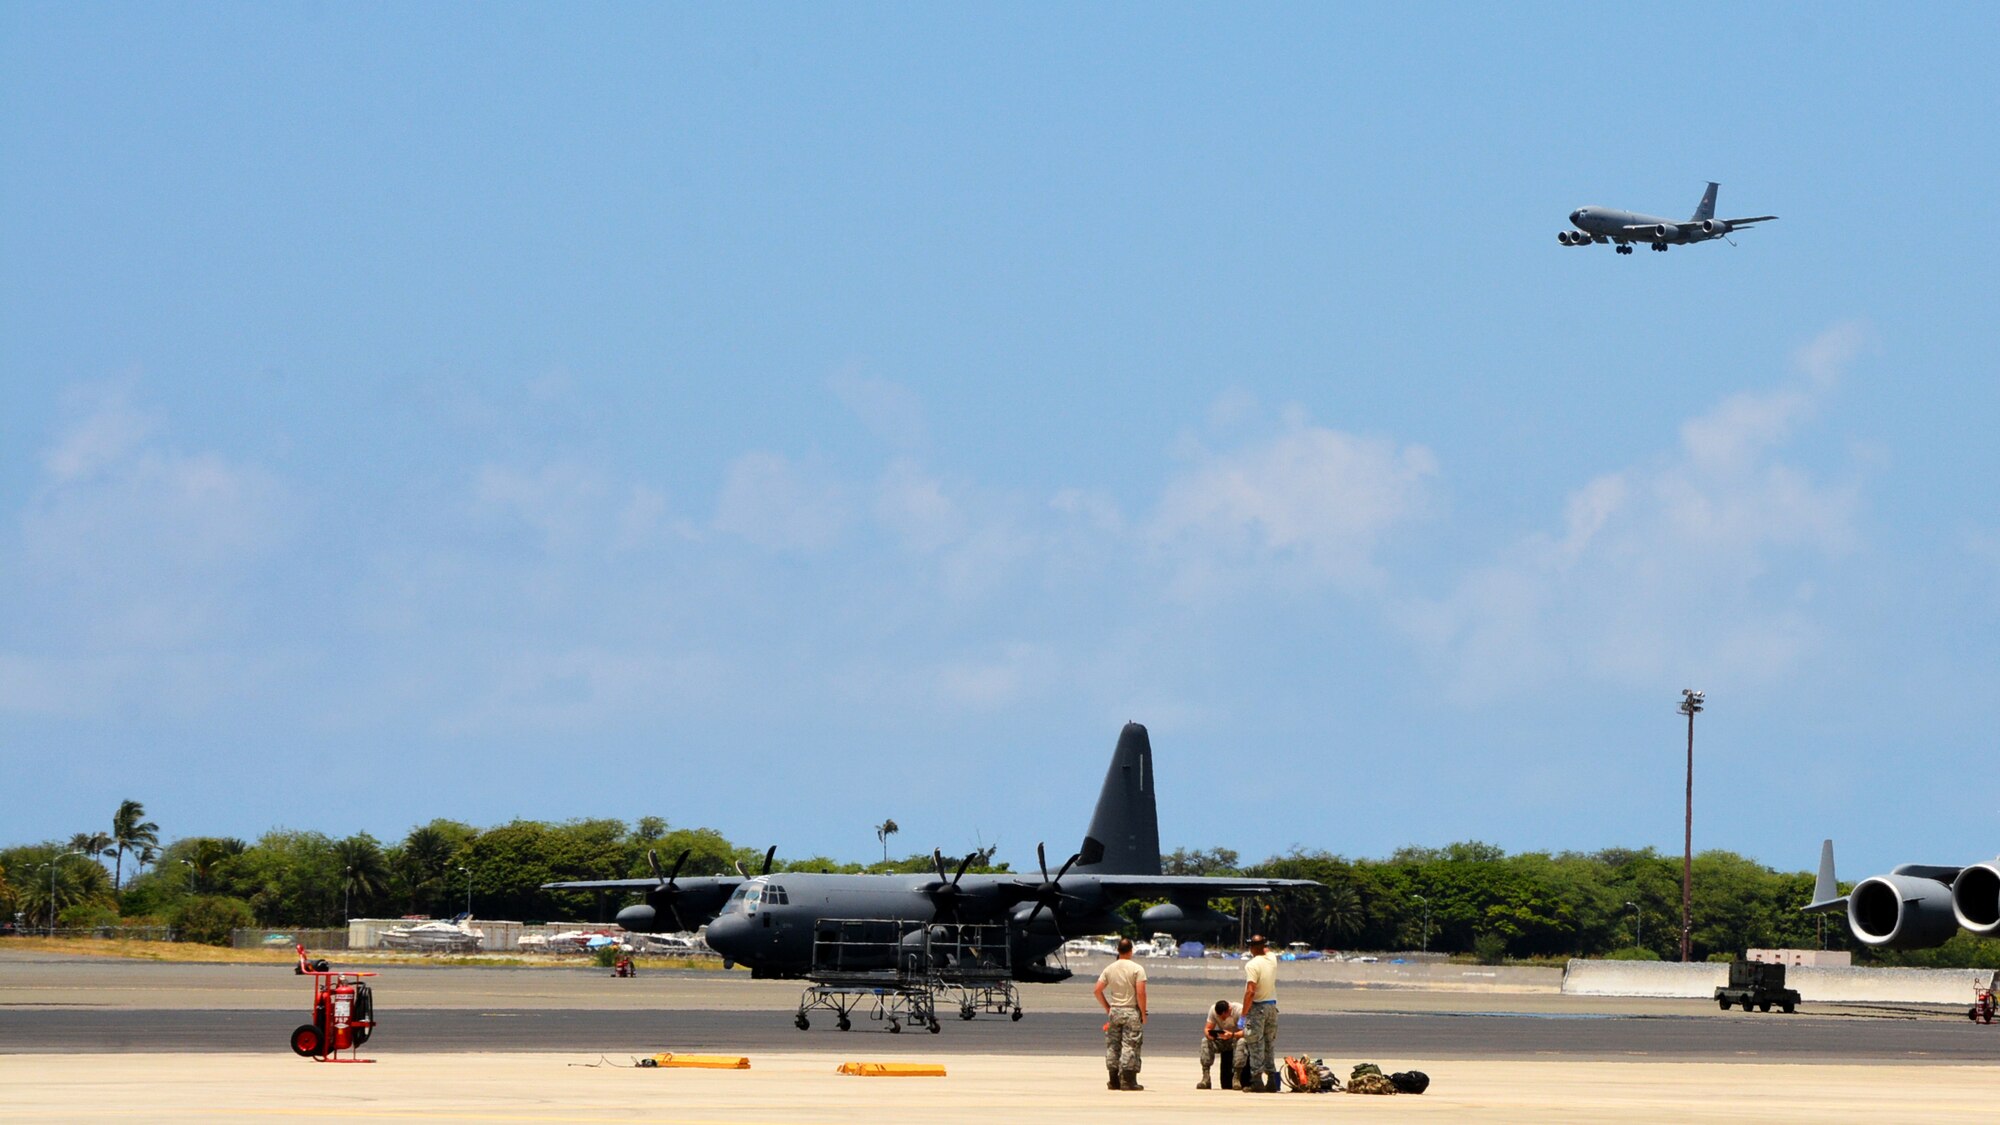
(1049, 892)
(666, 892)
(767, 863)
(946, 893)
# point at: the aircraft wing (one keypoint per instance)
(643, 884)
(1213, 886)
(1747, 222)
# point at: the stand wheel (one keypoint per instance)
(801, 1022)
(936, 1026)
(1016, 1015)
(895, 1027)
(966, 1012)
(843, 1024)
(305, 1040)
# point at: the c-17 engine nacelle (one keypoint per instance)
(1975, 898)
(1901, 912)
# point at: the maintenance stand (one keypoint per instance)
(900, 972)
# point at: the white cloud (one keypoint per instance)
(767, 501)
(585, 688)
(1703, 561)
(1311, 499)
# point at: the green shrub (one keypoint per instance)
(1722, 958)
(606, 955)
(210, 918)
(88, 916)
(1631, 953)
(1489, 948)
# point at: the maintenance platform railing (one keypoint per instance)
(899, 969)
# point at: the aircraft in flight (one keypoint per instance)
(1915, 906)
(769, 922)
(1604, 224)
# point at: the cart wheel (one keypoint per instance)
(1788, 1007)
(843, 1024)
(936, 1026)
(966, 1012)
(361, 1035)
(801, 1022)
(1764, 1006)
(895, 1028)
(1724, 1001)
(305, 1040)
(1016, 1015)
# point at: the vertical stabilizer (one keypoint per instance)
(1707, 208)
(1826, 890)
(1124, 836)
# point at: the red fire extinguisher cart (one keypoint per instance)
(343, 1013)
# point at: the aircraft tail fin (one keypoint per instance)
(1124, 835)
(1707, 208)
(1826, 889)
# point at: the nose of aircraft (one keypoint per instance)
(1576, 215)
(730, 936)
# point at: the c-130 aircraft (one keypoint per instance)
(768, 922)
(1604, 224)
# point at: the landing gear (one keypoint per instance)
(1660, 246)
(1623, 249)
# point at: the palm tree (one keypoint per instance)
(364, 870)
(92, 844)
(883, 831)
(131, 832)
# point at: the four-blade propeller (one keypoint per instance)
(772, 851)
(1048, 893)
(946, 892)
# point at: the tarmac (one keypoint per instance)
(93, 1038)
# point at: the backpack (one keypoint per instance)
(1309, 1076)
(1410, 1081)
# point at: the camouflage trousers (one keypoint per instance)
(1212, 1049)
(1260, 1039)
(1123, 1037)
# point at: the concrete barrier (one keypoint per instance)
(1815, 984)
(1669, 979)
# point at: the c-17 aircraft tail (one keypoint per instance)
(1124, 833)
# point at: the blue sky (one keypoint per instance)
(777, 419)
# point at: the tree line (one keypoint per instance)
(1463, 899)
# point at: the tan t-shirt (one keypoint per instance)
(1261, 972)
(1121, 980)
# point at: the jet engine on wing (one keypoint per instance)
(1715, 227)
(1901, 912)
(1975, 898)
(1665, 232)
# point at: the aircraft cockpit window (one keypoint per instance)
(774, 895)
(737, 900)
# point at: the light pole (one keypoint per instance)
(1690, 706)
(468, 890)
(1427, 921)
(52, 864)
(1638, 926)
(347, 888)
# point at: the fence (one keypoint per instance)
(278, 937)
(114, 933)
